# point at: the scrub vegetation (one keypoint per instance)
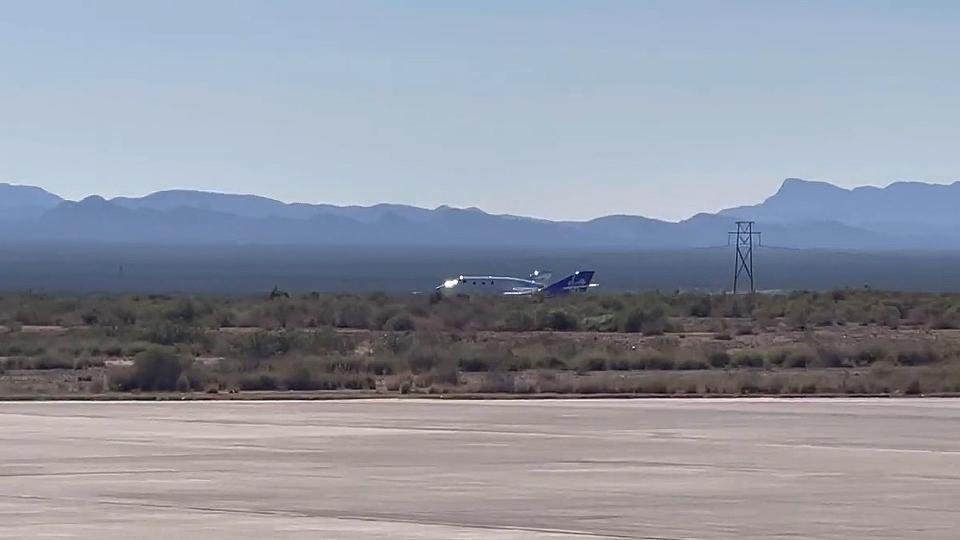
(847, 342)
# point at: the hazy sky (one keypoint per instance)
(555, 109)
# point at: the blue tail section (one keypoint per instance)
(577, 282)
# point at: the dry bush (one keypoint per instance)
(156, 369)
(497, 382)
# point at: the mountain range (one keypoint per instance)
(801, 214)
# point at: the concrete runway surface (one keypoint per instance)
(658, 469)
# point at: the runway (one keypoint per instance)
(524, 470)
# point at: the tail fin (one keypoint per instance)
(577, 282)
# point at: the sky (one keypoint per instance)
(556, 109)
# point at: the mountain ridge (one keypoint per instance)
(800, 214)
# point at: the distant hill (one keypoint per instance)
(254, 206)
(802, 214)
(24, 202)
(901, 204)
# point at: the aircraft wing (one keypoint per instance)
(520, 291)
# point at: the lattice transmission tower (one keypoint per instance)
(743, 241)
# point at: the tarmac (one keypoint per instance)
(480, 470)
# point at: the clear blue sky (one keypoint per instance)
(555, 109)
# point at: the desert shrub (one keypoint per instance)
(166, 333)
(652, 385)
(384, 314)
(798, 314)
(798, 358)
(822, 316)
(475, 364)
(400, 323)
(183, 383)
(507, 361)
(156, 369)
(917, 357)
(748, 386)
(747, 359)
(281, 313)
(422, 360)
(549, 362)
(700, 306)
(652, 361)
(125, 316)
(342, 364)
(135, 348)
(497, 382)
(888, 316)
(590, 385)
(87, 362)
(320, 342)
(692, 363)
(592, 362)
(600, 323)
(446, 373)
(774, 386)
(381, 366)
(518, 321)
(353, 314)
(49, 362)
(378, 298)
(883, 369)
(649, 320)
(828, 357)
(737, 306)
(257, 382)
(10, 346)
(356, 382)
(548, 382)
(299, 377)
(777, 357)
(620, 363)
(453, 318)
(869, 356)
(395, 343)
(944, 318)
(559, 320)
(185, 311)
(266, 344)
(35, 315)
(719, 359)
(913, 389)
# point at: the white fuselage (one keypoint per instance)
(488, 285)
